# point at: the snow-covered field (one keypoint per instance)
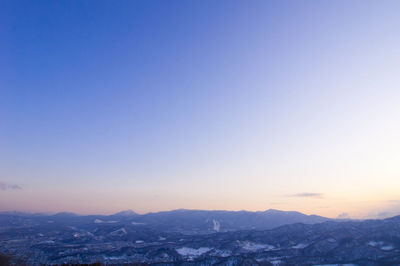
(251, 246)
(192, 252)
(98, 221)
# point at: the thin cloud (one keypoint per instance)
(307, 195)
(5, 186)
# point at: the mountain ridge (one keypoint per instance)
(132, 212)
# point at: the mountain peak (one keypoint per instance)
(126, 213)
(273, 210)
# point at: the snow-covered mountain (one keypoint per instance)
(59, 239)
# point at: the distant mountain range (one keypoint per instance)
(185, 221)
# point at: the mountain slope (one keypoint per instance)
(202, 221)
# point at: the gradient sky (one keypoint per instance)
(158, 105)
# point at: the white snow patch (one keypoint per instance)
(222, 253)
(375, 243)
(119, 232)
(135, 223)
(98, 221)
(123, 257)
(250, 246)
(381, 245)
(192, 252)
(217, 225)
(387, 248)
(300, 246)
(47, 242)
(276, 262)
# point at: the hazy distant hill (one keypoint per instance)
(200, 221)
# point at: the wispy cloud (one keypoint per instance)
(307, 195)
(5, 186)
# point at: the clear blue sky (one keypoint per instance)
(156, 105)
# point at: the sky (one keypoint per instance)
(234, 105)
